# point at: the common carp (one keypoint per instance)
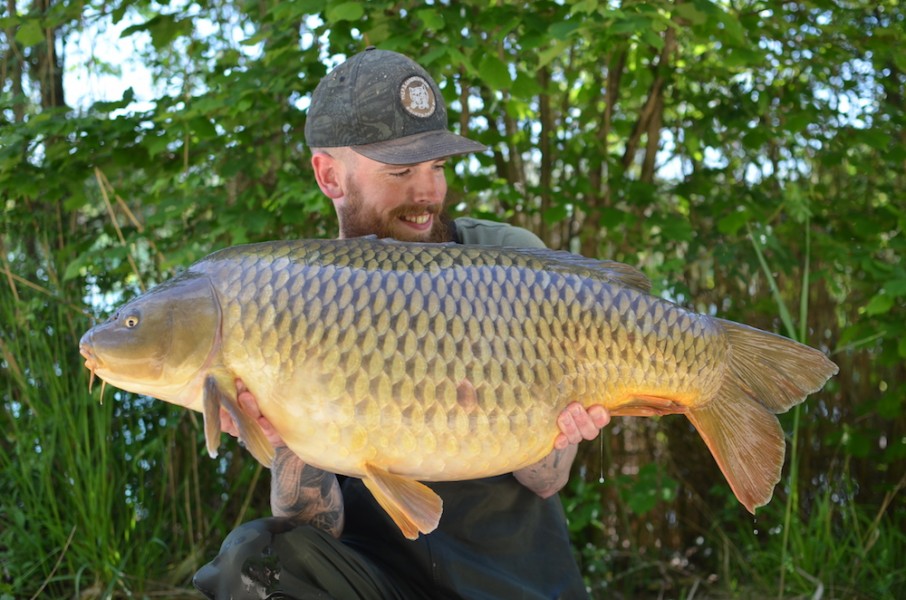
(405, 362)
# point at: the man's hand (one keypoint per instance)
(548, 476)
(577, 424)
(249, 406)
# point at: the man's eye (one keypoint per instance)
(399, 173)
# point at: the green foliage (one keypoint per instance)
(747, 156)
(97, 499)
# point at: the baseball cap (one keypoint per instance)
(386, 107)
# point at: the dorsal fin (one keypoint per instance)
(560, 261)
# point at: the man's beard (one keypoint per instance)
(356, 220)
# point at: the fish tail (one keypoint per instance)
(766, 374)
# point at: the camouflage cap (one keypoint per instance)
(387, 108)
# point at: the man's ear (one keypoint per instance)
(329, 172)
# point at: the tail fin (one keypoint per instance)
(766, 374)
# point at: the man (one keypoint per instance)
(377, 127)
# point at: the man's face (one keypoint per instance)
(404, 202)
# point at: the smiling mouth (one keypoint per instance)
(417, 219)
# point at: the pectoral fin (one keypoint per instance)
(250, 433)
(412, 505)
(211, 412)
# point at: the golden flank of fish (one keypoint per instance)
(397, 362)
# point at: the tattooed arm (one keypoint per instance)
(298, 491)
(305, 494)
(550, 474)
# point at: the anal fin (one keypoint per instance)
(412, 505)
(747, 442)
(641, 405)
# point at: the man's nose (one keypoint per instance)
(430, 187)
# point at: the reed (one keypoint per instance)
(97, 500)
(833, 548)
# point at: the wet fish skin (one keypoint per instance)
(398, 362)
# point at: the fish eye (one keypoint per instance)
(130, 321)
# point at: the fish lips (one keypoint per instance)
(87, 351)
(92, 363)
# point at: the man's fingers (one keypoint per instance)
(599, 416)
(248, 404)
(569, 427)
(227, 425)
(577, 424)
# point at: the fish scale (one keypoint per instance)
(399, 362)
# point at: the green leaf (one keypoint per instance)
(612, 217)
(555, 214)
(875, 138)
(30, 33)
(525, 86)
(676, 228)
(890, 404)
(431, 18)
(643, 492)
(563, 29)
(74, 268)
(347, 11)
(556, 49)
(653, 39)
(162, 28)
(880, 304)
(856, 442)
(110, 106)
(494, 72)
(690, 13)
(895, 287)
(585, 6)
(631, 24)
(732, 223)
(156, 144)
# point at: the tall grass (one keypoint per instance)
(97, 500)
(837, 549)
(64, 523)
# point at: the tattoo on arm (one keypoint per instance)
(305, 494)
(548, 476)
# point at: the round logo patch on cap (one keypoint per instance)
(417, 97)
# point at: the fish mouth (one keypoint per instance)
(92, 364)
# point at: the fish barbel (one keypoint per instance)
(397, 362)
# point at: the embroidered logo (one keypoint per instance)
(417, 97)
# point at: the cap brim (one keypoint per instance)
(421, 147)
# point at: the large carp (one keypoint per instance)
(397, 362)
